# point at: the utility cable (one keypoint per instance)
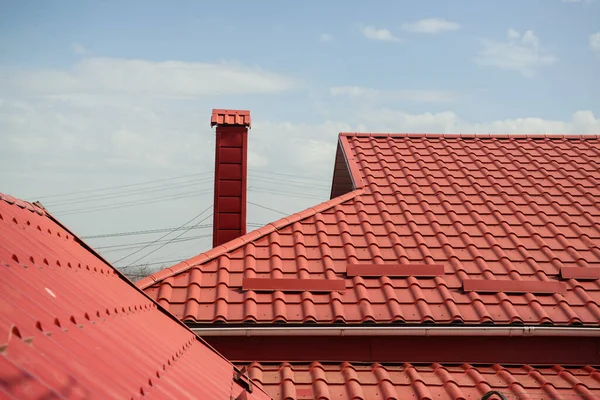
(167, 234)
(126, 204)
(163, 245)
(122, 186)
(126, 193)
(268, 208)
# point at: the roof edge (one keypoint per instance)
(477, 135)
(242, 240)
(395, 330)
(351, 162)
(39, 209)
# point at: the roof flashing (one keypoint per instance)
(293, 285)
(395, 270)
(512, 286)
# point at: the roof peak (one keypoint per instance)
(475, 135)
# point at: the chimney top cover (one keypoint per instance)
(230, 117)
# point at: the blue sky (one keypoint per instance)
(101, 93)
(284, 37)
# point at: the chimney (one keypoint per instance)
(229, 215)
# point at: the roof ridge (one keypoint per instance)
(22, 204)
(243, 240)
(477, 135)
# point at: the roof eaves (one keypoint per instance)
(243, 240)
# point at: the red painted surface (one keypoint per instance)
(229, 214)
(72, 327)
(495, 208)
(396, 270)
(294, 285)
(580, 273)
(509, 286)
(230, 117)
(452, 349)
(401, 381)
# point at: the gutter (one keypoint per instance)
(353, 331)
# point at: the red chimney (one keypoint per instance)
(229, 215)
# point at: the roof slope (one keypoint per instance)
(73, 327)
(424, 382)
(520, 215)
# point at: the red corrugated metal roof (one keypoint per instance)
(424, 382)
(73, 327)
(497, 208)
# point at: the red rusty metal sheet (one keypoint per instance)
(345, 381)
(294, 285)
(508, 286)
(497, 208)
(73, 327)
(421, 270)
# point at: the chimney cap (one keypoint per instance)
(230, 117)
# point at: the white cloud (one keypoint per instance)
(390, 120)
(382, 34)
(174, 79)
(80, 49)
(326, 38)
(521, 52)
(431, 25)
(375, 95)
(88, 134)
(595, 41)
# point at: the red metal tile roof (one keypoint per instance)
(73, 327)
(424, 382)
(513, 209)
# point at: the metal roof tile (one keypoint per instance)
(73, 326)
(376, 381)
(486, 207)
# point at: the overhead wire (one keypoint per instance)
(285, 174)
(268, 208)
(127, 246)
(163, 245)
(126, 193)
(158, 230)
(168, 233)
(133, 203)
(122, 186)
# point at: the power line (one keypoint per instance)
(268, 208)
(125, 193)
(145, 232)
(167, 234)
(126, 246)
(157, 199)
(289, 182)
(151, 263)
(292, 175)
(261, 189)
(158, 230)
(163, 245)
(122, 186)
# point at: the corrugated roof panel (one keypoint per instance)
(497, 208)
(73, 327)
